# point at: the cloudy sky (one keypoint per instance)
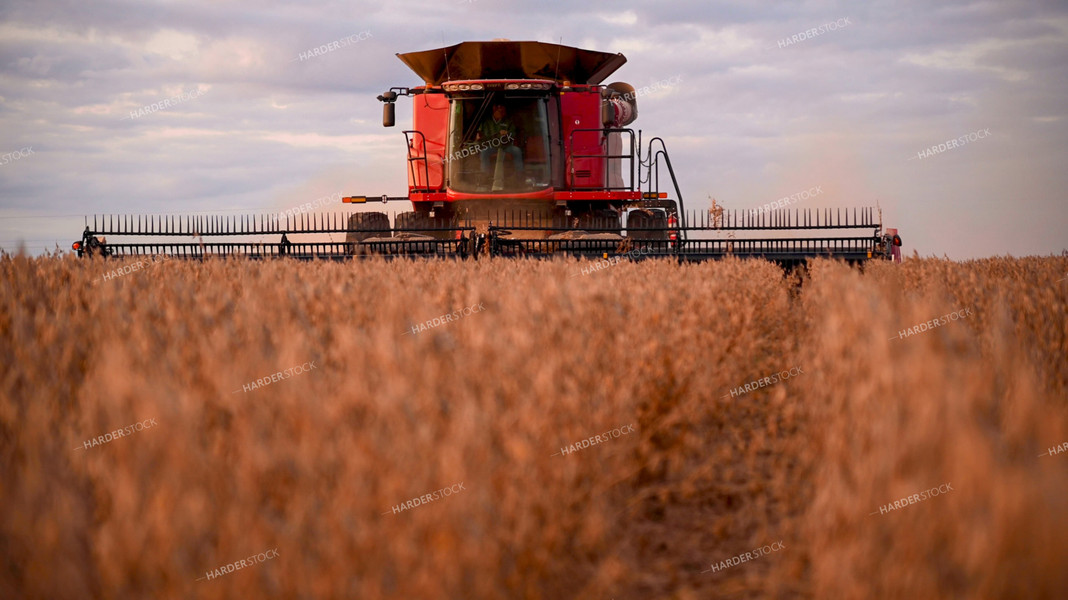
(752, 119)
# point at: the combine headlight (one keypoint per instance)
(476, 86)
(463, 87)
(512, 86)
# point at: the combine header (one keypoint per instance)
(516, 149)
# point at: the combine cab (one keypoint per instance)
(518, 149)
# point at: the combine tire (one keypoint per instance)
(640, 219)
(365, 225)
(600, 219)
(421, 224)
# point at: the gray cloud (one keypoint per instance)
(751, 121)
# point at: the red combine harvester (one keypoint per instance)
(520, 149)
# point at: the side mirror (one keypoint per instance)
(389, 113)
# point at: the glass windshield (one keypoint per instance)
(498, 143)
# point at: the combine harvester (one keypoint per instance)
(518, 149)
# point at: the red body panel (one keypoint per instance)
(582, 110)
(558, 196)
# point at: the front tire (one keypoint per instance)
(421, 223)
(647, 219)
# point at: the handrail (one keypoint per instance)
(654, 161)
(606, 131)
(411, 159)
